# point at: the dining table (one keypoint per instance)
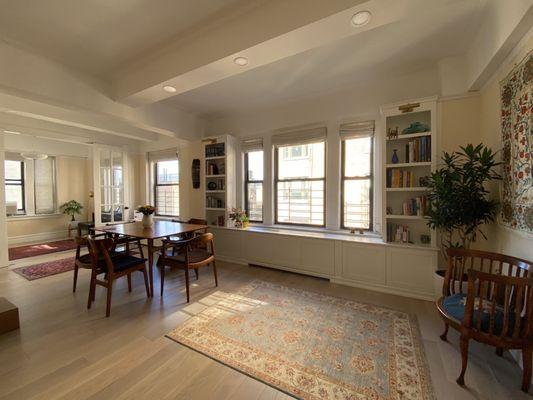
(159, 230)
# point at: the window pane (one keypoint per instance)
(117, 169)
(44, 186)
(255, 201)
(357, 157)
(167, 200)
(14, 194)
(255, 166)
(357, 203)
(13, 169)
(167, 172)
(301, 161)
(301, 202)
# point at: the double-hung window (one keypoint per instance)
(357, 175)
(253, 186)
(300, 174)
(14, 181)
(166, 188)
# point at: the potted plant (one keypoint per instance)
(71, 208)
(459, 201)
(245, 221)
(237, 215)
(147, 212)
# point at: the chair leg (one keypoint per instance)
(464, 357)
(215, 273)
(499, 351)
(145, 274)
(444, 336)
(75, 277)
(140, 246)
(129, 283)
(196, 272)
(92, 290)
(109, 294)
(162, 278)
(187, 283)
(526, 361)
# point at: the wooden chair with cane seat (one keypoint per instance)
(195, 252)
(112, 268)
(495, 307)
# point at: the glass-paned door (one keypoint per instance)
(111, 186)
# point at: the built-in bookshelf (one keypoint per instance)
(410, 155)
(219, 173)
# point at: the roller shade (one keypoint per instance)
(44, 181)
(304, 136)
(357, 129)
(252, 144)
(163, 155)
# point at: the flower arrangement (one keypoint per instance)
(146, 209)
(238, 215)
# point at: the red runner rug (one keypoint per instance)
(33, 250)
(43, 270)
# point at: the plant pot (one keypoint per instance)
(438, 282)
(148, 221)
(245, 224)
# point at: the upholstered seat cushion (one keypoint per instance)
(455, 306)
(195, 256)
(120, 261)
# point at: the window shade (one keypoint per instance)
(303, 136)
(44, 181)
(357, 129)
(253, 144)
(163, 155)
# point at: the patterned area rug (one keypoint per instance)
(312, 346)
(43, 270)
(16, 253)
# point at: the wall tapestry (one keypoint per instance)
(517, 141)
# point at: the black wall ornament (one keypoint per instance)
(195, 170)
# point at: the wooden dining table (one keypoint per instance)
(159, 230)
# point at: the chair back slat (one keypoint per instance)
(506, 307)
(99, 249)
(519, 306)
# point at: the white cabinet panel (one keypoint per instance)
(363, 262)
(318, 256)
(411, 269)
(286, 250)
(257, 249)
(228, 243)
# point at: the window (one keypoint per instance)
(300, 182)
(166, 191)
(253, 185)
(44, 185)
(14, 181)
(357, 183)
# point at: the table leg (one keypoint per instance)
(151, 265)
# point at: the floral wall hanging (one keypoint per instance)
(517, 141)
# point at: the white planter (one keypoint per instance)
(438, 282)
(148, 221)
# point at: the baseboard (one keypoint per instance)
(37, 237)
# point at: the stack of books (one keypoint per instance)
(418, 150)
(397, 178)
(398, 233)
(416, 206)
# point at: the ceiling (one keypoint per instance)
(99, 37)
(405, 46)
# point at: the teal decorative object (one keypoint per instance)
(416, 127)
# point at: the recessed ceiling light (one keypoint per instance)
(13, 132)
(169, 89)
(242, 61)
(361, 18)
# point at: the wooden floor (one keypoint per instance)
(64, 351)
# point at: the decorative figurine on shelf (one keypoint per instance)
(147, 212)
(425, 239)
(237, 215)
(395, 159)
(212, 186)
(423, 181)
(392, 133)
(416, 127)
(389, 211)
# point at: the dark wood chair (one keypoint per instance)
(126, 241)
(195, 252)
(488, 297)
(112, 268)
(81, 261)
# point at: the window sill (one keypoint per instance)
(30, 217)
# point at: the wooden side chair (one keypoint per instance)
(126, 241)
(112, 268)
(195, 252)
(494, 307)
(81, 261)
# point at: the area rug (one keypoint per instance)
(32, 250)
(43, 270)
(312, 346)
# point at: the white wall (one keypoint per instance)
(3, 224)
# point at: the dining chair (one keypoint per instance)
(111, 268)
(126, 241)
(81, 261)
(196, 252)
(495, 307)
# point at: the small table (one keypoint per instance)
(159, 230)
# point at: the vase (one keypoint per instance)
(394, 157)
(238, 224)
(148, 220)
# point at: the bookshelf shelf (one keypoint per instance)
(409, 136)
(408, 189)
(400, 216)
(215, 176)
(409, 165)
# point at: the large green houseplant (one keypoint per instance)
(71, 208)
(459, 201)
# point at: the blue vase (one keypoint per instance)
(394, 157)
